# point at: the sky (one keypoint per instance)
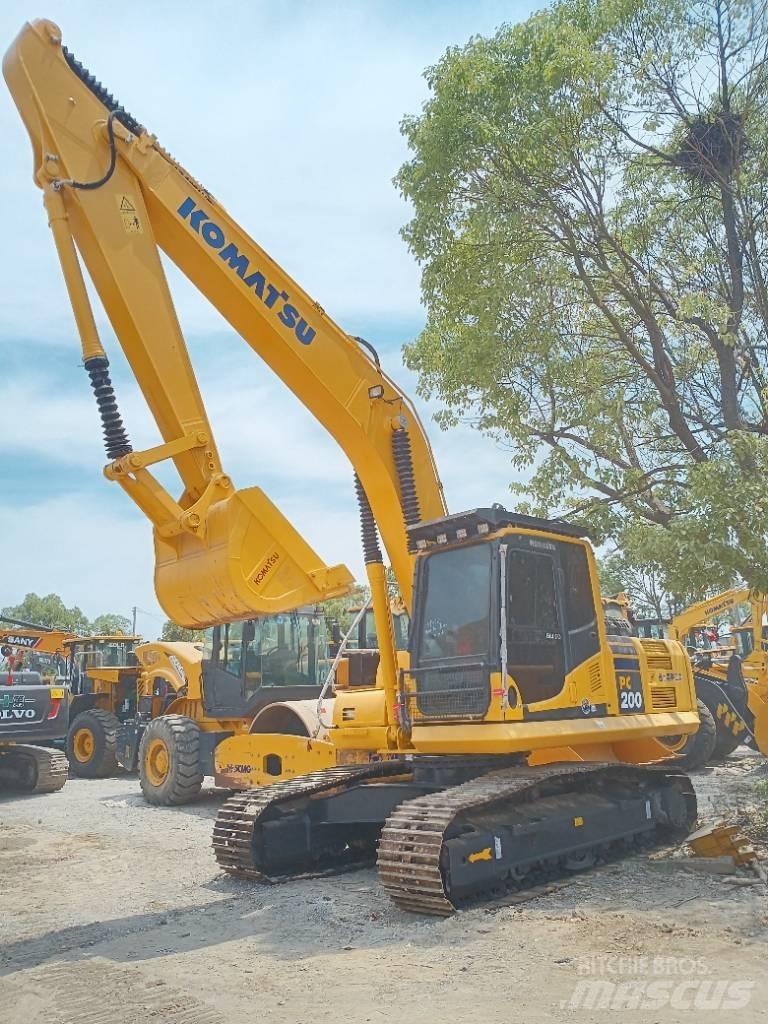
(288, 112)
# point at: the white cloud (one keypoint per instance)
(291, 119)
(92, 555)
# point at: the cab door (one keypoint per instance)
(535, 636)
(222, 674)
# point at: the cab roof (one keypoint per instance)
(477, 521)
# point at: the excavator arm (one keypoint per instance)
(700, 612)
(115, 197)
(24, 637)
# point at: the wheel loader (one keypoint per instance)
(731, 680)
(100, 674)
(515, 737)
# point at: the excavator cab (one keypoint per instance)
(515, 603)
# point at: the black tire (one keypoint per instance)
(179, 738)
(699, 748)
(98, 757)
(726, 742)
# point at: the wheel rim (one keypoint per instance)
(83, 743)
(674, 743)
(157, 762)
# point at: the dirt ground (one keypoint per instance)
(114, 911)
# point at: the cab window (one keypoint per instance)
(580, 615)
(232, 648)
(455, 622)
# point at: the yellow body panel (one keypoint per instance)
(178, 664)
(243, 762)
(511, 737)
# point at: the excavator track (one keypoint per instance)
(412, 862)
(29, 769)
(238, 823)
(511, 826)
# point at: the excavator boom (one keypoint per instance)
(702, 611)
(116, 197)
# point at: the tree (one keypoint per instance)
(111, 623)
(644, 584)
(591, 215)
(49, 611)
(338, 609)
(173, 632)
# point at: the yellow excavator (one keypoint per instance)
(732, 682)
(514, 737)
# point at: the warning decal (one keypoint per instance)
(129, 216)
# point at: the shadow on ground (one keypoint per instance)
(286, 924)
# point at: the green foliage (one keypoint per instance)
(344, 609)
(173, 632)
(591, 218)
(111, 623)
(644, 571)
(49, 611)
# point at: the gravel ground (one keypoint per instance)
(114, 911)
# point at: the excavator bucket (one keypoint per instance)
(248, 561)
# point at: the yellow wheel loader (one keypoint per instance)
(100, 674)
(514, 738)
(732, 682)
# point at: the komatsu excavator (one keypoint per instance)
(513, 737)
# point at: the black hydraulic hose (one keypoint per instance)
(116, 441)
(88, 185)
(371, 549)
(403, 458)
(101, 93)
(371, 349)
